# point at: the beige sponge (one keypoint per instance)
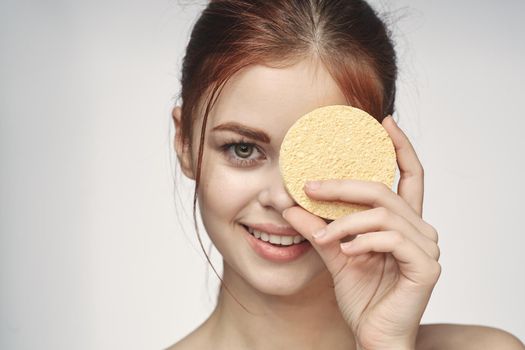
(335, 142)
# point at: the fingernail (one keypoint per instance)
(313, 185)
(319, 233)
(283, 213)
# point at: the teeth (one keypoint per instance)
(287, 240)
(276, 239)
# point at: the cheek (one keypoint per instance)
(225, 191)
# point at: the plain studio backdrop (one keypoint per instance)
(97, 251)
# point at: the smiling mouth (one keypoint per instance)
(275, 240)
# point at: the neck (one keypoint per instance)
(309, 319)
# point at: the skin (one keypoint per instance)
(369, 297)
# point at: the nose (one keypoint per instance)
(274, 194)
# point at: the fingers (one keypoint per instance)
(411, 183)
(413, 262)
(377, 219)
(372, 193)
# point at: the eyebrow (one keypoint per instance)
(244, 130)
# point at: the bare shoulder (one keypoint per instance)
(183, 344)
(446, 336)
(196, 340)
(190, 342)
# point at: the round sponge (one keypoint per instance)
(335, 142)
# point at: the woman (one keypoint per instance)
(252, 68)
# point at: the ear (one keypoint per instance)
(182, 149)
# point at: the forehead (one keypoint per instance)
(274, 98)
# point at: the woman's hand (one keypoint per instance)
(384, 277)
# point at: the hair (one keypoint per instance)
(347, 36)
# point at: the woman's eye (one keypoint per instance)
(239, 153)
(243, 150)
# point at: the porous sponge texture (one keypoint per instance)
(335, 142)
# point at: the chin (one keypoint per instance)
(243, 266)
(286, 282)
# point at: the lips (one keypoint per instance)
(276, 252)
(270, 228)
(284, 240)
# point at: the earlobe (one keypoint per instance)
(181, 147)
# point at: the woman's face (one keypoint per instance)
(242, 184)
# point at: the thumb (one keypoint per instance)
(307, 224)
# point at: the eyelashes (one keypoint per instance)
(231, 148)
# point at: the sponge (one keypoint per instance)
(335, 142)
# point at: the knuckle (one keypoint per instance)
(435, 269)
(436, 252)
(432, 232)
(397, 237)
(379, 190)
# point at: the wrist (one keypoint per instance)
(386, 344)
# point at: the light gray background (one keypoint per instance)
(92, 255)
